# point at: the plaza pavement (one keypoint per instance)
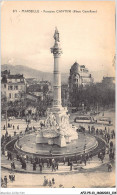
(94, 174)
(91, 165)
(22, 123)
(22, 126)
(94, 178)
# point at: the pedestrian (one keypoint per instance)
(40, 165)
(53, 166)
(10, 176)
(6, 134)
(56, 165)
(97, 132)
(13, 164)
(64, 160)
(34, 166)
(53, 181)
(102, 157)
(109, 167)
(53, 160)
(111, 144)
(85, 161)
(5, 179)
(71, 166)
(45, 183)
(50, 183)
(105, 129)
(13, 176)
(113, 134)
(23, 164)
(89, 129)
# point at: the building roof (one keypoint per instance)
(82, 66)
(5, 78)
(34, 88)
(75, 64)
(16, 76)
(108, 78)
(31, 95)
(5, 72)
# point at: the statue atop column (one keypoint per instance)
(56, 35)
(56, 49)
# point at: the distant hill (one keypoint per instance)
(32, 73)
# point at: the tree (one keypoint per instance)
(94, 94)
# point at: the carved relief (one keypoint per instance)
(51, 121)
(65, 121)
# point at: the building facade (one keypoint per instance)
(79, 76)
(12, 86)
(41, 89)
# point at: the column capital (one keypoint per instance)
(56, 51)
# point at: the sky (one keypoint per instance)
(88, 38)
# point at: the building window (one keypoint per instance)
(4, 85)
(10, 87)
(16, 95)
(16, 87)
(10, 95)
(16, 80)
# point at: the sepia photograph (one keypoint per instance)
(58, 95)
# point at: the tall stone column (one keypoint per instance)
(57, 51)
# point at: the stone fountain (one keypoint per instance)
(57, 129)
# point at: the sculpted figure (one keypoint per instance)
(56, 35)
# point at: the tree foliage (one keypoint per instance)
(92, 95)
